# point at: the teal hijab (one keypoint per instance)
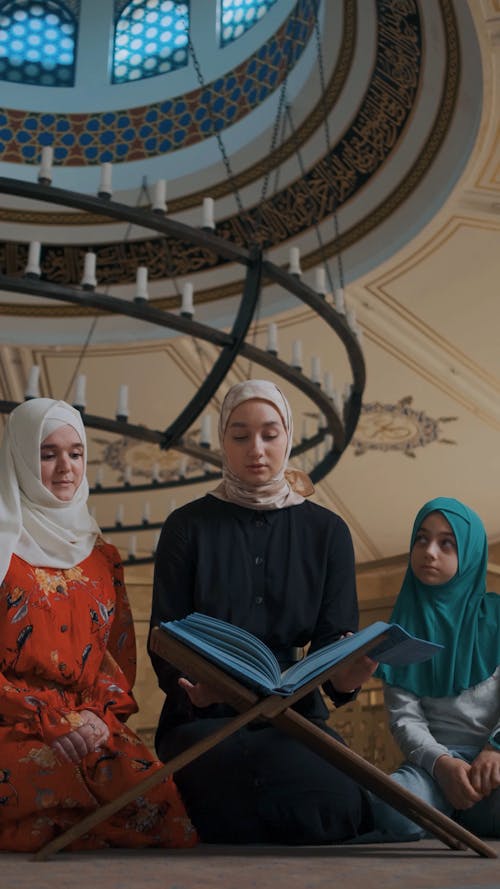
(459, 614)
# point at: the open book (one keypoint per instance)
(245, 656)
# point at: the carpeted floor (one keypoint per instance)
(423, 865)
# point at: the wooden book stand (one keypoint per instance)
(276, 709)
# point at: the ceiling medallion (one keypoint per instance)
(397, 427)
(136, 462)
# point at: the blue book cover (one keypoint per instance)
(248, 658)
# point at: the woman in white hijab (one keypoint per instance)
(67, 652)
(257, 553)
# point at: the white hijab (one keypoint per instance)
(34, 523)
(290, 486)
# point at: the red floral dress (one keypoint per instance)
(67, 644)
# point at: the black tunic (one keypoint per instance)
(288, 577)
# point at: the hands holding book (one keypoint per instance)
(353, 675)
(200, 694)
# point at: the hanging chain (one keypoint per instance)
(90, 334)
(322, 86)
(245, 221)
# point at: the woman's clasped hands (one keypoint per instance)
(85, 738)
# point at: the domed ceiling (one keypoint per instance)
(362, 132)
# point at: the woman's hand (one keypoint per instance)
(348, 678)
(454, 778)
(85, 739)
(199, 694)
(484, 772)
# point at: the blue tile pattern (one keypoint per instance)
(151, 130)
(238, 16)
(37, 43)
(151, 38)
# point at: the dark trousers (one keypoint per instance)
(262, 786)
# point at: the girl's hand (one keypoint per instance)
(199, 694)
(453, 776)
(85, 739)
(484, 773)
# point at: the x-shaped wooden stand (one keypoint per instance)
(278, 710)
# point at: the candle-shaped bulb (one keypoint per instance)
(105, 189)
(320, 281)
(33, 269)
(208, 213)
(132, 546)
(206, 431)
(146, 513)
(45, 171)
(99, 477)
(119, 515)
(79, 400)
(328, 383)
(297, 354)
(155, 473)
(338, 297)
(127, 475)
(350, 317)
(32, 388)
(316, 370)
(272, 338)
(122, 406)
(89, 279)
(338, 403)
(187, 306)
(294, 261)
(141, 285)
(160, 197)
(183, 467)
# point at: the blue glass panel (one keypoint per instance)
(37, 43)
(238, 16)
(151, 38)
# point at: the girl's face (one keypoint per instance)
(255, 441)
(434, 557)
(62, 462)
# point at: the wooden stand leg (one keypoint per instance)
(369, 776)
(173, 765)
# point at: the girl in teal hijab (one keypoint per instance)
(445, 713)
(459, 613)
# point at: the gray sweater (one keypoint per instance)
(425, 728)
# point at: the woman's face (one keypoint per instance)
(255, 441)
(62, 462)
(434, 558)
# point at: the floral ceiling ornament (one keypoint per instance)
(397, 427)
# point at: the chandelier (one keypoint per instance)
(338, 412)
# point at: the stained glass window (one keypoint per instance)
(151, 37)
(238, 16)
(37, 43)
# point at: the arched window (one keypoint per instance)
(151, 37)
(37, 43)
(238, 16)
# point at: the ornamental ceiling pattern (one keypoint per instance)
(115, 136)
(378, 125)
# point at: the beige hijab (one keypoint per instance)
(290, 486)
(34, 523)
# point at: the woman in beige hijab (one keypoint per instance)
(67, 653)
(256, 552)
